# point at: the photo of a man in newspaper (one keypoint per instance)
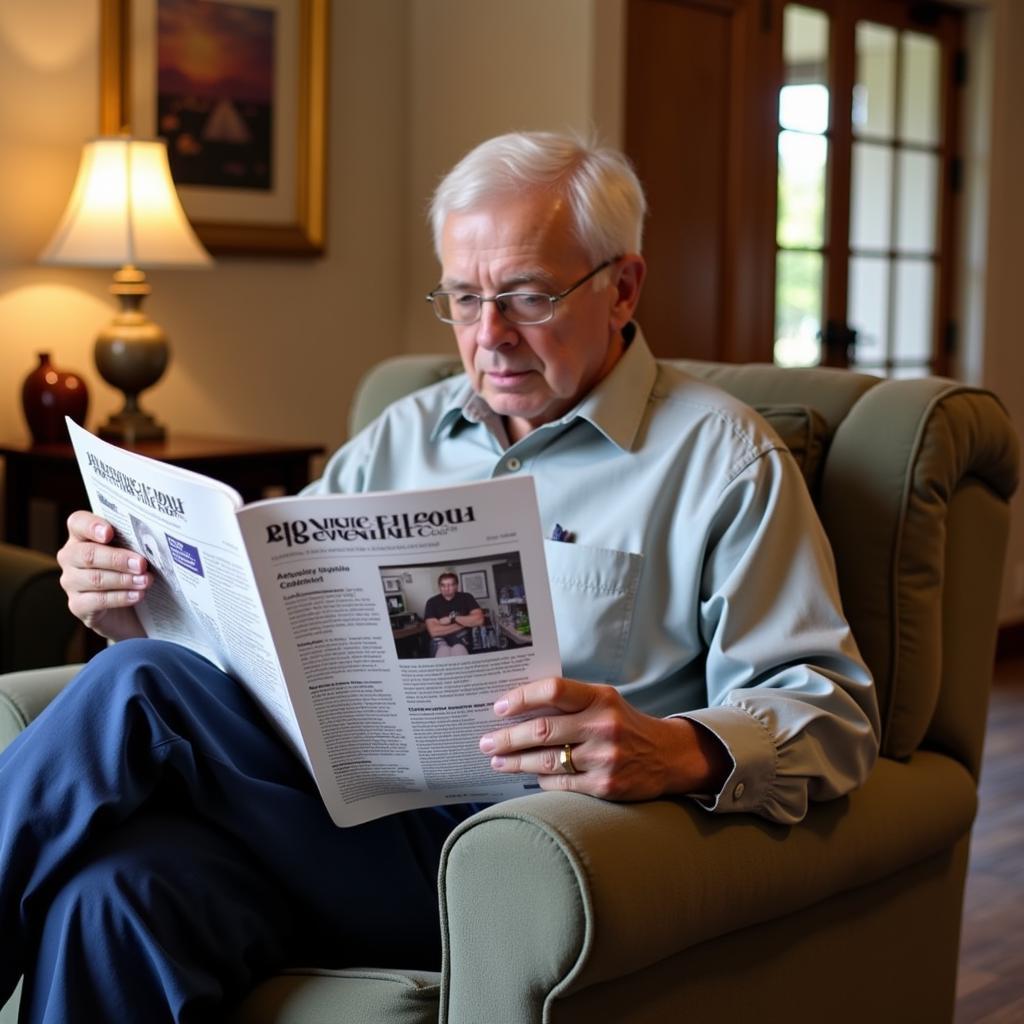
(451, 616)
(493, 618)
(701, 650)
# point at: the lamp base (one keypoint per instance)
(129, 427)
(132, 354)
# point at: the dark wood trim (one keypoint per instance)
(951, 36)
(1010, 640)
(842, 75)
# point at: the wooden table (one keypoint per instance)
(49, 472)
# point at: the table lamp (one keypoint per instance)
(125, 213)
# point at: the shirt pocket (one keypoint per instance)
(593, 591)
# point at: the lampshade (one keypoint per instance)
(124, 211)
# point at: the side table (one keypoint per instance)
(49, 472)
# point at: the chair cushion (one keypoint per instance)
(23, 695)
(805, 433)
(314, 996)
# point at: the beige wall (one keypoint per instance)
(272, 348)
(481, 67)
(261, 348)
(1004, 336)
(992, 224)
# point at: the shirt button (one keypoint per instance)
(513, 465)
(738, 791)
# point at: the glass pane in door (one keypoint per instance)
(798, 304)
(919, 89)
(915, 296)
(871, 196)
(917, 217)
(874, 92)
(805, 49)
(801, 209)
(868, 311)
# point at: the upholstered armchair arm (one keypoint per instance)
(547, 895)
(23, 695)
(35, 624)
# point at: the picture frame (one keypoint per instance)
(474, 583)
(392, 584)
(285, 217)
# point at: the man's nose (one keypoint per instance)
(492, 329)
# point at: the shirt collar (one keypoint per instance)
(464, 407)
(615, 407)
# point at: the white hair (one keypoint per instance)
(602, 189)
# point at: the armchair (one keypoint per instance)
(35, 624)
(563, 908)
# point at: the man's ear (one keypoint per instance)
(630, 272)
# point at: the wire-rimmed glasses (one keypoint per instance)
(525, 309)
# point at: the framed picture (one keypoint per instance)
(474, 583)
(238, 89)
(392, 584)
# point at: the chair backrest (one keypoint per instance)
(912, 480)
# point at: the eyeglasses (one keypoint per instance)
(522, 308)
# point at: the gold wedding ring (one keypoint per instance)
(565, 759)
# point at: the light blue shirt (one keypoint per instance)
(699, 580)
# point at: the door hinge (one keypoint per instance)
(960, 68)
(949, 342)
(956, 174)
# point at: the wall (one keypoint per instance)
(48, 104)
(1004, 351)
(991, 226)
(261, 348)
(481, 67)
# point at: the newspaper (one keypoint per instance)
(316, 605)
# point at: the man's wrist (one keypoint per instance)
(703, 762)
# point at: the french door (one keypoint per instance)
(867, 182)
(801, 168)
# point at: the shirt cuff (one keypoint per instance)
(754, 757)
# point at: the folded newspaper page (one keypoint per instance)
(374, 630)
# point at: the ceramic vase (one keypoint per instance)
(47, 396)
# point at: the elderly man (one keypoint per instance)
(160, 850)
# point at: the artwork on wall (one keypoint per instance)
(475, 583)
(238, 90)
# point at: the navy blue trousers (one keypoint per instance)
(161, 851)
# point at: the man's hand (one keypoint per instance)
(618, 753)
(103, 583)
